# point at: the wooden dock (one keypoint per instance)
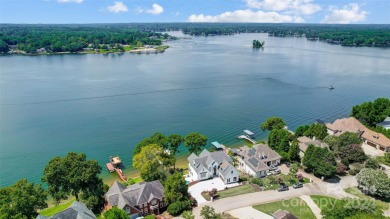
(247, 138)
(120, 174)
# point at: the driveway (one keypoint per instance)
(248, 213)
(371, 151)
(207, 185)
(334, 189)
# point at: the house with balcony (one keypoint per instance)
(212, 164)
(258, 160)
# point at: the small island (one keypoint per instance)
(257, 44)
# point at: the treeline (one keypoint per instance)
(346, 35)
(73, 38)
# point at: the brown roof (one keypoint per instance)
(304, 143)
(282, 214)
(351, 124)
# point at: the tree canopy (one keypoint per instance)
(273, 123)
(195, 142)
(75, 175)
(152, 162)
(175, 188)
(278, 140)
(115, 213)
(156, 138)
(374, 182)
(319, 161)
(22, 200)
(174, 142)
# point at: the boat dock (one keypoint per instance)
(114, 166)
(247, 138)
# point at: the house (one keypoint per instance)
(305, 141)
(369, 137)
(139, 199)
(211, 164)
(283, 214)
(77, 210)
(257, 161)
(385, 124)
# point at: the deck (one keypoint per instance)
(247, 138)
(120, 174)
(110, 167)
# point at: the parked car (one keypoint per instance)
(273, 167)
(288, 164)
(277, 171)
(283, 188)
(297, 185)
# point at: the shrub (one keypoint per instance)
(243, 178)
(151, 216)
(178, 207)
(257, 181)
(345, 161)
(372, 163)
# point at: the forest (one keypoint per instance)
(78, 37)
(73, 38)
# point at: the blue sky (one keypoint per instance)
(127, 11)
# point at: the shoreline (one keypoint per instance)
(159, 49)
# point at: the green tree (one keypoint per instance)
(273, 123)
(374, 182)
(371, 113)
(156, 138)
(115, 213)
(174, 142)
(187, 215)
(350, 208)
(72, 175)
(3, 47)
(372, 163)
(316, 130)
(278, 139)
(208, 212)
(175, 188)
(195, 142)
(22, 200)
(320, 161)
(301, 130)
(293, 152)
(150, 162)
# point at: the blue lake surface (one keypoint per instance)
(104, 105)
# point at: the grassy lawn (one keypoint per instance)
(272, 184)
(161, 48)
(56, 209)
(323, 201)
(295, 206)
(239, 190)
(383, 204)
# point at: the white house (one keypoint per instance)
(257, 161)
(212, 164)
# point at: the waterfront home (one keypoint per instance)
(77, 210)
(258, 160)
(139, 199)
(305, 141)
(212, 164)
(369, 137)
(385, 124)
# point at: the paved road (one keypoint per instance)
(317, 188)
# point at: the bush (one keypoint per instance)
(151, 216)
(345, 161)
(372, 163)
(243, 178)
(257, 181)
(353, 171)
(178, 207)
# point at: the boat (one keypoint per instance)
(331, 87)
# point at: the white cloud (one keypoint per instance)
(297, 6)
(70, 1)
(350, 13)
(156, 9)
(247, 16)
(118, 7)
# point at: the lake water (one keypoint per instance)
(105, 104)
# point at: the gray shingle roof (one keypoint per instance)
(226, 167)
(257, 156)
(77, 210)
(205, 158)
(133, 195)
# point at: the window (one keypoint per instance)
(161, 204)
(231, 172)
(203, 175)
(127, 209)
(146, 210)
(154, 202)
(234, 179)
(228, 180)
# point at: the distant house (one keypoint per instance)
(385, 124)
(369, 137)
(210, 164)
(257, 161)
(77, 210)
(139, 199)
(304, 143)
(283, 214)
